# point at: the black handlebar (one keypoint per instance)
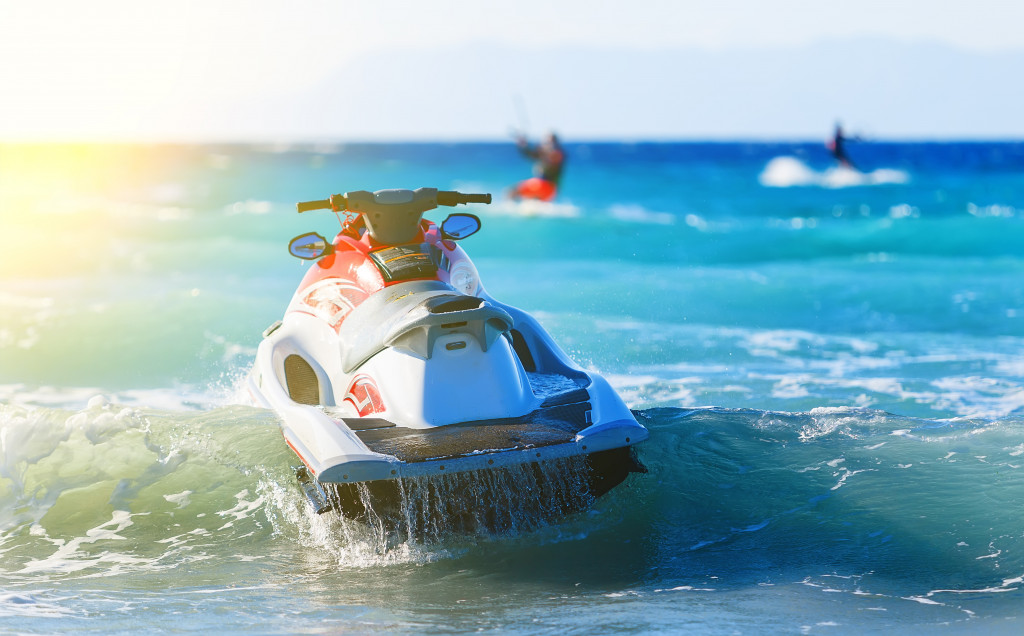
(307, 206)
(339, 202)
(450, 198)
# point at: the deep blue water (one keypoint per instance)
(831, 364)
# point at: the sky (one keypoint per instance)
(303, 70)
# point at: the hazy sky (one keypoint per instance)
(260, 69)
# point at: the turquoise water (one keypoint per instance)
(831, 365)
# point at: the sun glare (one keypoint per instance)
(59, 203)
(117, 70)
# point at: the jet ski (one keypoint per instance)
(393, 369)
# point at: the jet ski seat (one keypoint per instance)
(411, 316)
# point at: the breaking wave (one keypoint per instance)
(110, 490)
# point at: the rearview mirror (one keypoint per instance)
(459, 226)
(310, 246)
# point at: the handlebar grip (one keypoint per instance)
(306, 206)
(451, 198)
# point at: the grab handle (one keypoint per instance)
(306, 206)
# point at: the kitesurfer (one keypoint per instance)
(838, 147)
(549, 161)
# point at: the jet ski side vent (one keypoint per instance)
(522, 350)
(301, 379)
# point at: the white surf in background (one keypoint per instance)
(788, 172)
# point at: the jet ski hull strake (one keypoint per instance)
(413, 397)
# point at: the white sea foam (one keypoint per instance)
(787, 172)
(774, 342)
(178, 398)
(241, 510)
(23, 303)
(886, 371)
(69, 556)
(180, 499)
(686, 588)
(984, 397)
(249, 207)
(639, 214)
(33, 604)
(533, 208)
(994, 210)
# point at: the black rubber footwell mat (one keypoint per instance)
(545, 426)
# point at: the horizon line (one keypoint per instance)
(597, 139)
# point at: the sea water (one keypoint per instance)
(830, 362)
